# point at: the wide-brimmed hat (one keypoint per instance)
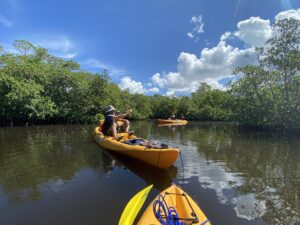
(109, 108)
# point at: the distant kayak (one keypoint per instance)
(159, 157)
(179, 204)
(178, 122)
(170, 124)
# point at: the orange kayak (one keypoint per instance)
(177, 122)
(159, 157)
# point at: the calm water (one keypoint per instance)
(58, 175)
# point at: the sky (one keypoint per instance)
(149, 46)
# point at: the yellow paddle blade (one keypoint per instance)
(133, 206)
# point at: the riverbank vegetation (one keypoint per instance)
(37, 87)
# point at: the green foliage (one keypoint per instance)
(141, 106)
(211, 104)
(38, 87)
(268, 94)
(164, 106)
(22, 100)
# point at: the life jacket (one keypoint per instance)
(108, 122)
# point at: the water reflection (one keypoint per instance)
(237, 177)
(161, 179)
(39, 157)
(255, 172)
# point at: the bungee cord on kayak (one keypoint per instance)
(168, 215)
(164, 214)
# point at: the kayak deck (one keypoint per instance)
(185, 206)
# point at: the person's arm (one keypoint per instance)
(122, 116)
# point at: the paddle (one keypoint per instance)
(133, 207)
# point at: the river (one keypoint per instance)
(57, 175)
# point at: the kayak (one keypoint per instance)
(187, 209)
(159, 157)
(177, 122)
(171, 125)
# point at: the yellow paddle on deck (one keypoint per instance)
(133, 207)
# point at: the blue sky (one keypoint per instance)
(145, 44)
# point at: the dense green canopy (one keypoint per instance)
(37, 87)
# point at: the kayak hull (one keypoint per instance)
(181, 203)
(177, 122)
(161, 158)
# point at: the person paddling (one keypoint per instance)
(172, 117)
(110, 126)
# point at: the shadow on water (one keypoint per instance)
(161, 179)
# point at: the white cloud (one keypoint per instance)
(172, 80)
(170, 93)
(212, 65)
(157, 80)
(135, 87)
(153, 90)
(227, 35)
(254, 31)
(97, 64)
(198, 23)
(58, 44)
(68, 55)
(5, 22)
(55, 42)
(94, 63)
(190, 35)
(293, 13)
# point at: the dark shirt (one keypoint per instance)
(108, 122)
